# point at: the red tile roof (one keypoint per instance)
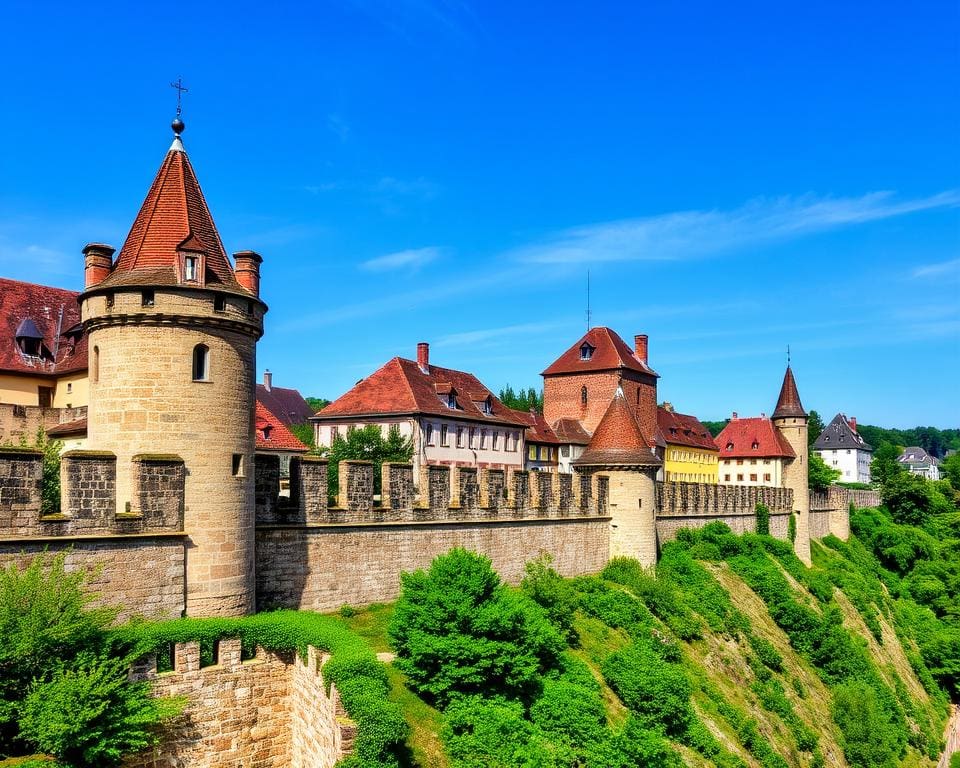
(683, 429)
(788, 404)
(286, 404)
(752, 438)
(400, 387)
(41, 304)
(618, 440)
(273, 434)
(571, 431)
(69, 429)
(174, 217)
(538, 431)
(609, 352)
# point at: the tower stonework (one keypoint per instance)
(172, 345)
(619, 450)
(790, 420)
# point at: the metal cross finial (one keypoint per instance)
(788, 355)
(180, 91)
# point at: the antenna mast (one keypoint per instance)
(588, 301)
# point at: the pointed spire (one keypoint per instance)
(618, 440)
(788, 404)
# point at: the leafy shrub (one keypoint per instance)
(553, 593)
(661, 596)
(769, 656)
(870, 738)
(457, 629)
(636, 745)
(763, 519)
(613, 606)
(88, 713)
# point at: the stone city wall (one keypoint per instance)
(20, 423)
(317, 556)
(134, 559)
(694, 505)
(271, 711)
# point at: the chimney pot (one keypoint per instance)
(734, 417)
(423, 356)
(640, 346)
(97, 263)
(247, 270)
(853, 423)
(267, 380)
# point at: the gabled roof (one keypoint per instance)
(273, 434)
(609, 353)
(174, 218)
(286, 404)
(752, 438)
(538, 431)
(618, 441)
(75, 428)
(915, 455)
(571, 431)
(788, 404)
(683, 429)
(839, 434)
(400, 387)
(33, 311)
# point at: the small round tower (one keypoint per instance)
(790, 420)
(172, 331)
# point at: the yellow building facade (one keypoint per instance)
(689, 453)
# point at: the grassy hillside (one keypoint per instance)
(735, 654)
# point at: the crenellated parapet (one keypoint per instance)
(88, 486)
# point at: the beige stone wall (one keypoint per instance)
(795, 478)
(632, 508)
(322, 567)
(143, 400)
(269, 712)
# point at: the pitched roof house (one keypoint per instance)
(542, 443)
(843, 449)
(919, 462)
(450, 415)
(752, 451)
(688, 450)
(286, 404)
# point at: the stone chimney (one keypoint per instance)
(267, 380)
(640, 342)
(247, 270)
(97, 262)
(423, 356)
(852, 421)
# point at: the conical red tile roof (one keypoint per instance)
(174, 217)
(788, 404)
(618, 440)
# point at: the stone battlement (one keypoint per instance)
(270, 711)
(439, 493)
(88, 481)
(21, 422)
(694, 505)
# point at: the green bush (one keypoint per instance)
(457, 629)
(763, 519)
(86, 712)
(553, 593)
(870, 738)
(769, 656)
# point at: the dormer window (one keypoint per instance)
(28, 338)
(586, 351)
(755, 445)
(729, 446)
(488, 406)
(190, 269)
(267, 429)
(451, 400)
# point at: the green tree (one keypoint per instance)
(870, 738)
(304, 433)
(819, 475)
(912, 500)
(523, 400)
(950, 468)
(815, 426)
(884, 464)
(715, 427)
(317, 403)
(553, 593)
(458, 630)
(368, 444)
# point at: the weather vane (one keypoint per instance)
(180, 91)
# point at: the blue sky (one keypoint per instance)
(736, 177)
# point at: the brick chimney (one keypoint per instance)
(423, 356)
(247, 270)
(267, 380)
(97, 262)
(734, 417)
(852, 421)
(640, 342)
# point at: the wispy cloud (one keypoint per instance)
(412, 259)
(939, 269)
(698, 234)
(338, 126)
(479, 336)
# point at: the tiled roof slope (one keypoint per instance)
(538, 431)
(617, 440)
(914, 454)
(571, 431)
(286, 404)
(839, 434)
(788, 404)
(41, 304)
(752, 438)
(280, 437)
(609, 353)
(683, 429)
(174, 217)
(400, 387)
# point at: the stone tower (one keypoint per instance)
(790, 420)
(172, 331)
(619, 450)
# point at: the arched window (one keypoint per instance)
(95, 367)
(583, 395)
(201, 362)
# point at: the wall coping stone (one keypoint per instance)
(313, 459)
(21, 450)
(79, 453)
(425, 523)
(89, 536)
(157, 457)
